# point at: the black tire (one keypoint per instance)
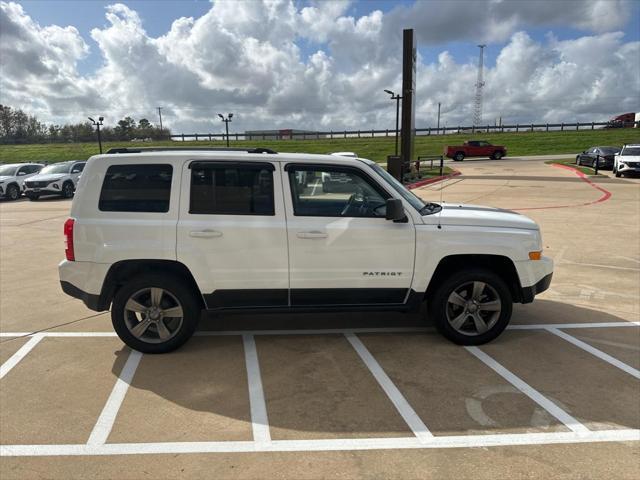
(618, 174)
(496, 155)
(67, 190)
(578, 160)
(13, 192)
(33, 197)
(175, 290)
(440, 310)
(458, 157)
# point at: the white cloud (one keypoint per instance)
(247, 58)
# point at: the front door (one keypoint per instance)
(342, 251)
(232, 233)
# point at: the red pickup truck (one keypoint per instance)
(475, 148)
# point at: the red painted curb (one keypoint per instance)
(428, 181)
(606, 194)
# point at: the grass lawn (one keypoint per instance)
(377, 149)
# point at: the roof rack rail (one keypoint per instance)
(178, 149)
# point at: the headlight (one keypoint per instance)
(55, 185)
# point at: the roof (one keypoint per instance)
(236, 155)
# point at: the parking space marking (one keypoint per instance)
(594, 351)
(20, 354)
(325, 331)
(455, 441)
(259, 419)
(409, 415)
(105, 422)
(573, 424)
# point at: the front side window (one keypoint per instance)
(136, 188)
(78, 167)
(219, 189)
(335, 192)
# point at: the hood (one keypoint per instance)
(48, 177)
(479, 216)
(5, 178)
(628, 158)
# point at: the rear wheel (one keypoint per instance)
(471, 307)
(13, 192)
(67, 190)
(155, 313)
(458, 157)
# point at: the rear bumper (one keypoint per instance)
(90, 300)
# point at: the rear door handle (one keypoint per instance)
(205, 233)
(312, 234)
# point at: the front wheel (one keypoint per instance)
(67, 190)
(33, 196)
(13, 192)
(458, 157)
(497, 155)
(471, 307)
(155, 313)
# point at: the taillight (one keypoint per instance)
(68, 239)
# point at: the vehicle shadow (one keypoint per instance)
(316, 386)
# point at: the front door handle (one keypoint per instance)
(312, 234)
(205, 233)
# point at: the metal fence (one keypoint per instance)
(335, 134)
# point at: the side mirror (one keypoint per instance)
(395, 211)
(20, 174)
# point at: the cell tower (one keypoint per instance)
(477, 109)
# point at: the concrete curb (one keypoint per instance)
(429, 181)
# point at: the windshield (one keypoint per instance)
(415, 201)
(8, 171)
(635, 151)
(59, 168)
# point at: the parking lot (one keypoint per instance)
(378, 395)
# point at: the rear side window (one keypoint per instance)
(218, 189)
(136, 188)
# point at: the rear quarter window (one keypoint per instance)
(136, 188)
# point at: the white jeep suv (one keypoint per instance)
(12, 178)
(56, 179)
(161, 235)
(627, 160)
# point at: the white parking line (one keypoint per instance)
(259, 419)
(409, 415)
(454, 441)
(571, 423)
(326, 331)
(20, 354)
(594, 351)
(103, 426)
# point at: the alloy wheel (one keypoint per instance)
(153, 315)
(473, 308)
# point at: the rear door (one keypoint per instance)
(232, 232)
(342, 250)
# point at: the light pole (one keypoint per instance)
(226, 124)
(438, 119)
(397, 99)
(97, 125)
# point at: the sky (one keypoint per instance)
(317, 64)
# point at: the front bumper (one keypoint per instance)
(48, 190)
(625, 167)
(535, 277)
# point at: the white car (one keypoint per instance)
(627, 161)
(12, 178)
(160, 235)
(57, 179)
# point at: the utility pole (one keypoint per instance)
(160, 115)
(97, 125)
(397, 98)
(438, 119)
(477, 111)
(226, 124)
